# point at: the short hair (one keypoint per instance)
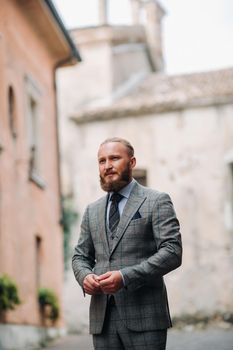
(124, 142)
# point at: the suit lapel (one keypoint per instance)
(101, 212)
(136, 198)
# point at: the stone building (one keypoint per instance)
(115, 60)
(33, 44)
(182, 130)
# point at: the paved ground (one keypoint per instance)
(189, 339)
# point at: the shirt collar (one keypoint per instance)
(125, 191)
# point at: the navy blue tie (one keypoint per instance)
(114, 214)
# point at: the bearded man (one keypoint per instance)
(129, 240)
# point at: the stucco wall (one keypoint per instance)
(26, 210)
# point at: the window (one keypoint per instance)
(231, 171)
(38, 261)
(12, 111)
(141, 176)
(1, 146)
(231, 196)
(34, 132)
(228, 186)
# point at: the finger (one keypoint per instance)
(91, 280)
(91, 290)
(104, 276)
(95, 284)
(87, 282)
(106, 282)
(88, 291)
(90, 285)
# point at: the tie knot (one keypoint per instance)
(116, 197)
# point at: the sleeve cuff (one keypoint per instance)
(123, 279)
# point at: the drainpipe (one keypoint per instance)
(59, 64)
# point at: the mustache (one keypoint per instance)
(110, 172)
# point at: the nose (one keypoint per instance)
(108, 164)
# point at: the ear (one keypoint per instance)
(132, 162)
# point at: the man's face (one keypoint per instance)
(115, 166)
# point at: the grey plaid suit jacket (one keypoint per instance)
(147, 245)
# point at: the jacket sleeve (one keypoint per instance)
(168, 256)
(83, 259)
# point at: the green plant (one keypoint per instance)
(8, 293)
(47, 298)
(69, 217)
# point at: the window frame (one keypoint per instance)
(33, 116)
(228, 207)
(12, 118)
(141, 176)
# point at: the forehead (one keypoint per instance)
(111, 148)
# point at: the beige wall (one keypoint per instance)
(184, 153)
(26, 210)
(129, 63)
(95, 68)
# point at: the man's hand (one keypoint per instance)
(91, 284)
(110, 282)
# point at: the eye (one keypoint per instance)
(101, 161)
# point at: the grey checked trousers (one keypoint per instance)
(115, 336)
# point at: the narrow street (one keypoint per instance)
(207, 339)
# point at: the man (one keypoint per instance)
(129, 239)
